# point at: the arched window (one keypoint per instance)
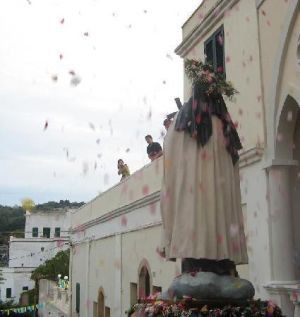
(101, 304)
(145, 280)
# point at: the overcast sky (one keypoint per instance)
(102, 74)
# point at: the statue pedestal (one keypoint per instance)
(209, 288)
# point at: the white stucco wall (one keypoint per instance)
(15, 279)
(47, 219)
(34, 251)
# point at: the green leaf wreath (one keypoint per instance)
(213, 82)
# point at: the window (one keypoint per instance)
(46, 232)
(95, 309)
(133, 294)
(214, 50)
(8, 293)
(77, 308)
(35, 232)
(57, 232)
(25, 288)
(144, 283)
(107, 311)
(101, 303)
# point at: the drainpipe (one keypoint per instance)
(70, 279)
(88, 277)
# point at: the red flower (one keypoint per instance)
(198, 119)
(220, 69)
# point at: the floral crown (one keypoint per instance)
(203, 74)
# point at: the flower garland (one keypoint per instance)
(191, 308)
(204, 75)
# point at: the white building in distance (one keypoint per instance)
(46, 233)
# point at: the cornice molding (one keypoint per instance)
(250, 156)
(145, 201)
(210, 20)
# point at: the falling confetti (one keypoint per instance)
(85, 168)
(62, 21)
(92, 126)
(127, 150)
(169, 57)
(71, 72)
(98, 142)
(145, 11)
(75, 81)
(234, 230)
(54, 78)
(95, 165)
(67, 151)
(123, 221)
(228, 59)
(61, 56)
(149, 114)
(289, 116)
(200, 16)
(46, 125)
(164, 82)
(152, 208)
(220, 40)
(279, 137)
(86, 33)
(110, 126)
(145, 190)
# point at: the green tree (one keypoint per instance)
(51, 268)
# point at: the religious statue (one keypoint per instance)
(200, 199)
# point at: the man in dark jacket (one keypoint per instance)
(154, 149)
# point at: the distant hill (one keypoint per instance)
(12, 219)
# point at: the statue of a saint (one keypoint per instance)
(200, 200)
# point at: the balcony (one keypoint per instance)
(54, 298)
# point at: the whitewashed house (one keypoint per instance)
(115, 236)
(46, 233)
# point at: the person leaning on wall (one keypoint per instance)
(154, 150)
(123, 169)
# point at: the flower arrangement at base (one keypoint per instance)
(203, 75)
(189, 307)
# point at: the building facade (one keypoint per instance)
(115, 236)
(46, 233)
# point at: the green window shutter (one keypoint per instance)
(214, 50)
(35, 232)
(8, 293)
(57, 232)
(46, 232)
(77, 298)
